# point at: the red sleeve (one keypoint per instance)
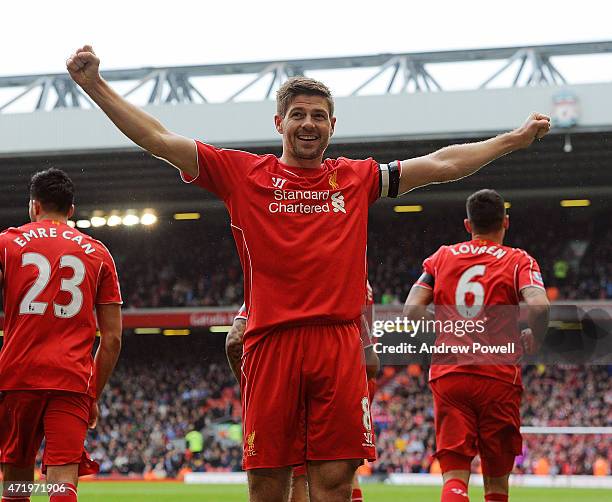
(220, 170)
(528, 273)
(368, 173)
(242, 312)
(428, 277)
(2, 249)
(108, 290)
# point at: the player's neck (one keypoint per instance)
(292, 161)
(62, 218)
(496, 237)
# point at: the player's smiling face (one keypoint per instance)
(306, 128)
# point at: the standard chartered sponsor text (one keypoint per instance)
(293, 201)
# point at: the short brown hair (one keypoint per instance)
(301, 85)
(53, 189)
(486, 211)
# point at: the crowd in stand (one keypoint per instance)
(177, 267)
(198, 266)
(151, 405)
(403, 413)
(148, 409)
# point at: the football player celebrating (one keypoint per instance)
(53, 277)
(234, 351)
(300, 226)
(477, 406)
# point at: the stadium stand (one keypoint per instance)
(154, 401)
(161, 393)
(403, 414)
(164, 388)
(155, 273)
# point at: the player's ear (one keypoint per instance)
(333, 126)
(506, 222)
(70, 212)
(278, 123)
(34, 209)
(467, 225)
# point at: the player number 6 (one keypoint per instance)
(465, 286)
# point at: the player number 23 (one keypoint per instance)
(29, 306)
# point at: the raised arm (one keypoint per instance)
(143, 129)
(458, 161)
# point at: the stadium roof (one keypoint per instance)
(397, 73)
(128, 179)
(402, 122)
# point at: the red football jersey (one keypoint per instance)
(366, 325)
(242, 313)
(480, 279)
(301, 234)
(54, 275)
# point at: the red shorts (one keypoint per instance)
(478, 415)
(299, 470)
(305, 397)
(28, 416)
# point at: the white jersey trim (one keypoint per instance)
(532, 286)
(241, 309)
(517, 291)
(250, 264)
(195, 143)
(384, 180)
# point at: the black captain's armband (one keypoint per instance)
(389, 179)
(426, 281)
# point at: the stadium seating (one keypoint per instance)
(157, 396)
(207, 272)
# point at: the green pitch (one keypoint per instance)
(177, 492)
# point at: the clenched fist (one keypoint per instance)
(535, 127)
(83, 66)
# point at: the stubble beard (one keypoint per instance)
(304, 154)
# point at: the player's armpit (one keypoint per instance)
(416, 303)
